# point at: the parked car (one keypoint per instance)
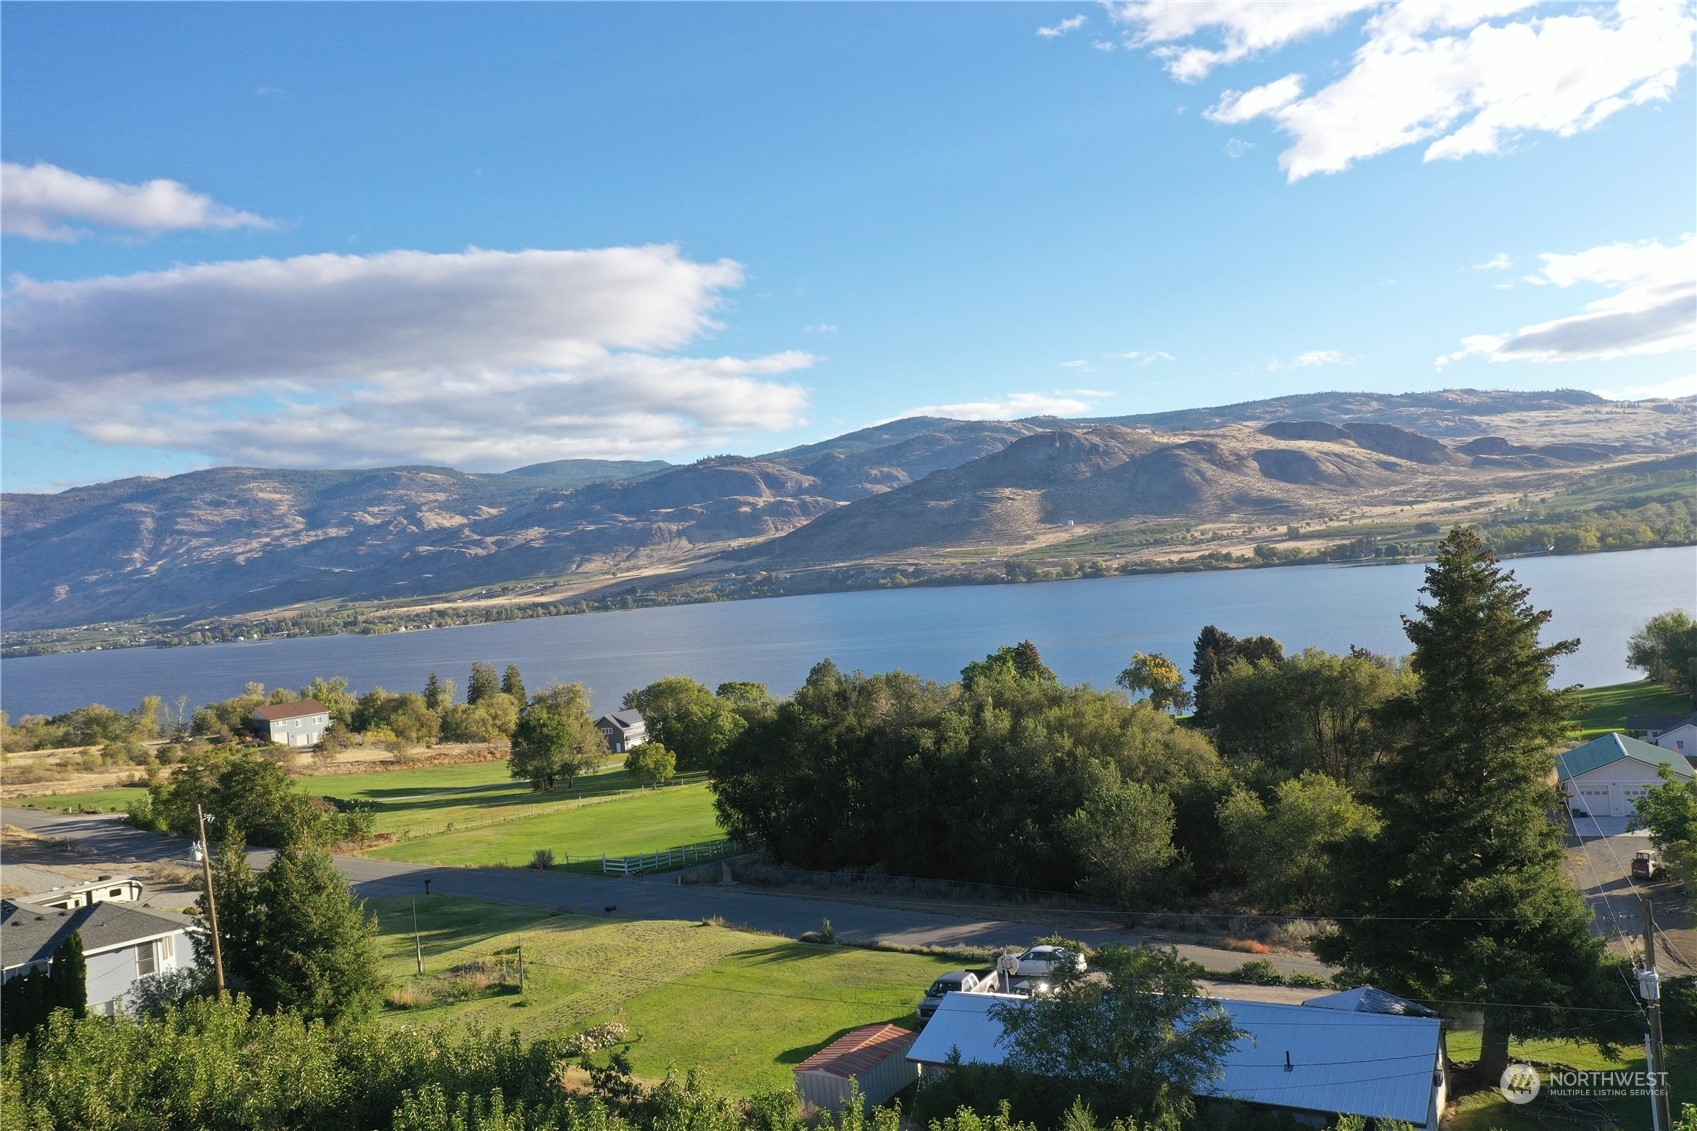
(954, 982)
(1646, 867)
(1042, 961)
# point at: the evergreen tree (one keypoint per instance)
(1461, 897)
(513, 684)
(316, 952)
(482, 684)
(438, 693)
(70, 976)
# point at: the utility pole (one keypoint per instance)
(1650, 989)
(521, 967)
(417, 947)
(211, 904)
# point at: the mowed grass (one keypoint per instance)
(1487, 1110)
(741, 1007)
(93, 801)
(424, 802)
(1606, 708)
(619, 825)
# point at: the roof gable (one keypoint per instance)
(1611, 748)
(859, 1051)
(623, 720)
(300, 708)
(30, 934)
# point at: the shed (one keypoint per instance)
(1606, 776)
(874, 1057)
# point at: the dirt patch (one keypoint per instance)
(70, 861)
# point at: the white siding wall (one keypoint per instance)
(110, 976)
(1612, 790)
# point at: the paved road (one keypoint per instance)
(782, 913)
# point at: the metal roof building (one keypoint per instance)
(121, 944)
(1322, 1060)
(1606, 776)
(872, 1057)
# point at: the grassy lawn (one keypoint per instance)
(1488, 1111)
(94, 801)
(616, 825)
(740, 1006)
(1606, 708)
(424, 802)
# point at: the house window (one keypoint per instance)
(147, 962)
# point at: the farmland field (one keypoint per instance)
(741, 1007)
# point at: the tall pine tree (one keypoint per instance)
(1461, 898)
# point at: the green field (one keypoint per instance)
(741, 1007)
(423, 802)
(1606, 708)
(619, 825)
(1488, 1111)
(95, 801)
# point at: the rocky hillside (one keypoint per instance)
(236, 540)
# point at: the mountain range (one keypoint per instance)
(230, 541)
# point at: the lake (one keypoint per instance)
(1086, 630)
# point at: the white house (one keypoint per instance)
(1606, 776)
(622, 730)
(121, 944)
(1681, 739)
(1303, 1061)
(301, 723)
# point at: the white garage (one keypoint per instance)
(1607, 776)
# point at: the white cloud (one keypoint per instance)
(1311, 359)
(1667, 390)
(1080, 365)
(1432, 72)
(1071, 23)
(1244, 28)
(482, 359)
(45, 202)
(820, 328)
(1498, 262)
(1142, 358)
(1653, 307)
(1237, 147)
(1014, 406)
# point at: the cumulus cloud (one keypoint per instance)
(820, 328)
(1653, 307)
(1071, 23)
(1080, 364)
(1310, 359)
(481, 359)
(45, 202)
(1015, 406)
(1459, 76)
(1244, 28)
(1498, 262)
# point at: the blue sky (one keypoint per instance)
(489, 235)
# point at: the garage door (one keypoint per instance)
(1597, 801)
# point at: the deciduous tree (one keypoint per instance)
(1665, 649)
(555, 739)
(1160, 677)
(1669, 812)
(651, 763)
(1136, 1036)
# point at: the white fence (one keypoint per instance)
(666, 858)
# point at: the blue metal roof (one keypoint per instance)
(1373, 1064)
(1610, 748)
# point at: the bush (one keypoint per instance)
(544, 859)
(1258, 972)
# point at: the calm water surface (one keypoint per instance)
(1086, 631)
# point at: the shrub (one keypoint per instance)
(1259, 972)
(544, 859)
